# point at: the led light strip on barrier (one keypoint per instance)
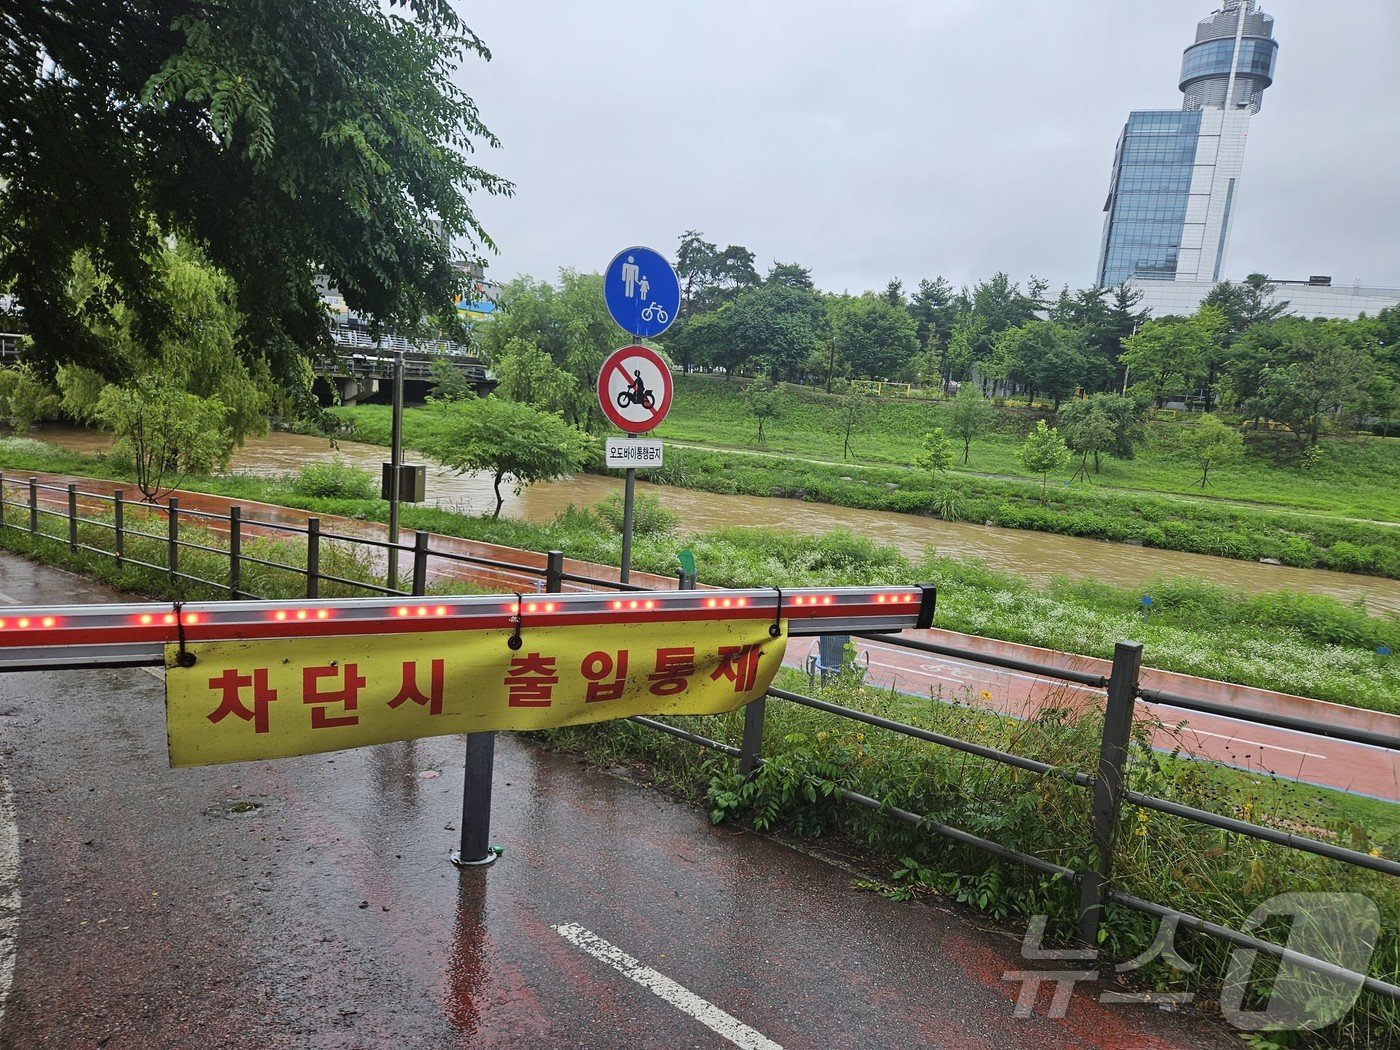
(135, 635)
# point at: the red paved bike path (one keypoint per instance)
(154, 914)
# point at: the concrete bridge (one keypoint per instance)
(361, 363)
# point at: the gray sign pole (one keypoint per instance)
(627, 493)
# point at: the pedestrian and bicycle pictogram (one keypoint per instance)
(641, 291)
(634, 388)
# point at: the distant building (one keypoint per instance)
(1315, 297)
(1176, 173)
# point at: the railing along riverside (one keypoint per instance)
(1106, 784)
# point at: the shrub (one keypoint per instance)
(334, 480)
(649, 517)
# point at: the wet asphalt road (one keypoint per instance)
(309, 902)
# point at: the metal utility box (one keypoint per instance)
(412, 481)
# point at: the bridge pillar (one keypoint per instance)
(352, 388)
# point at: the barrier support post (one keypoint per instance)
(33, 505)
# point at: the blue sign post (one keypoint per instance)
(642, 292)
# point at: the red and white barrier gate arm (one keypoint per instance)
(135, 635)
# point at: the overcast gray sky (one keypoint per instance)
(911, 138)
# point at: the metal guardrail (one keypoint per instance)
(1106, 783)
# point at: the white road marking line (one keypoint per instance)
(9, 892)
(1254, 743)
(711, 1016)
(158, 673)
(7, 599)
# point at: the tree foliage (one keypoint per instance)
(547, 344)
(1104, 423)
(1044, 453)
(25, 399)
(874, 339)
(194, 351)
(1299, 372)
(970, 416)
(286, 138)
(765, 401)
(507, 439)
(1172, 356)
(166, 431)
(1045, 357)
(1213, 444)
(937, 453)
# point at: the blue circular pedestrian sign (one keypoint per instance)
(642, 292)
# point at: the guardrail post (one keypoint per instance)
(313, 557)
(420, 563)
(1108, 786)
(235, 553)
(2, 500)
(72, 516)
(554, 572)
(118, 525)
(172, 554)
(34, 505)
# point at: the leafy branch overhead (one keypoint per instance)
(285, 138)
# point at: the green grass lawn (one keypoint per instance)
(1353, 477)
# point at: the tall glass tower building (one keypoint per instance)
(1176, 173)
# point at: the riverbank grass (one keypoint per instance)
(1307, 523)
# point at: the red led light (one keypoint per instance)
(422, 610)
(649, 604)
(441, 610)
(616, 605)
(47, 621)
(712, 603)
(191, 618)
(280, 614)
(402, 610)
(23, 621)
(741, 601)
(513, 607)
(145, 619)
(323, 614)
(726, 603)
(632, 604)
(302, 614)
(827, 599)
(548, 606)
(169, 618)
(2, 625)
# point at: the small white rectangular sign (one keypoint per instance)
(638, 452)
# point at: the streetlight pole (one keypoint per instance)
(395, 468)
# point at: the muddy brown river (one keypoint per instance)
(1038, 555)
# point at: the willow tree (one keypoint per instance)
(285, 138)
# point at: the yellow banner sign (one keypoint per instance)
(243, 701)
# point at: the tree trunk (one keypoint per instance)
(499, 498)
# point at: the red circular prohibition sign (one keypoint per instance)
(634, 388)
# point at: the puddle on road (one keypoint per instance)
(240, 808)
